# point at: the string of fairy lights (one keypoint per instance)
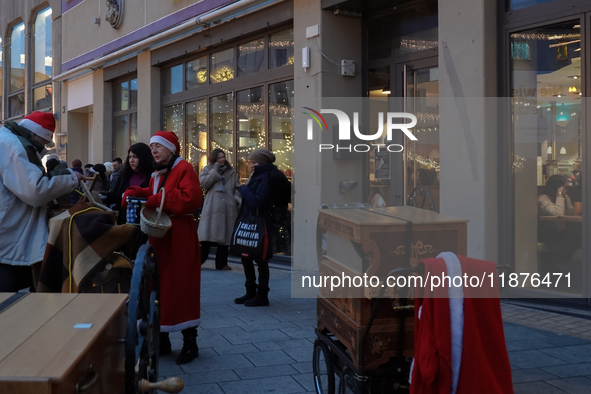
(425, 161)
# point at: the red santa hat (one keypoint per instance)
(168, 139)
(40, 123)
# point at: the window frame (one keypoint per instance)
(128, 112)
(49, 81)
(268, 76)
(8, 71)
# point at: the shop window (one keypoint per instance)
(548, 152)
(42, 48)
(251, 126)
(280, 124)
(42, 61)
(124, 116)
(173, 79)
(415, 30)
(173, 121)
(281, 49)
(196, 73)
(251, 57)
(222, 66)
(520, 4)
(16, 102)
(196, 127)
(42, 97)
(221, 131)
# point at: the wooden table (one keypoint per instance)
(43, 352)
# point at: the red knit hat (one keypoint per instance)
(40, 123)
(168, 139)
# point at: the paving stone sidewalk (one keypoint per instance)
(269, 349)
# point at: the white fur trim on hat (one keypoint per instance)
(156, 139)
(36, 128)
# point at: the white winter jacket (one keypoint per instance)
(24, 193)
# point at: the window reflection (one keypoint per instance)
(251, 126)
(120, 136)
(222, 66)
(17, 58)
(281, 49)
(546, 111)
(42, 97)
(280, 124)
(221, 131)
(42, 48)
(173, 79)
(196, 74)
(16, 105)
(197, 133)
(251, 57)
(173, 121)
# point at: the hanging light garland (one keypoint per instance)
(429, 163)
(518, 162)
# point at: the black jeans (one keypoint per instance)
(221, 254)
(251, 279)
(15, 277)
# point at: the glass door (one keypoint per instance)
(418, 168)
(547, 70)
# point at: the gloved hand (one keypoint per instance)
(128, 193)
(154, 201)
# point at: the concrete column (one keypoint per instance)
(468, 127)
(148, 110)
(316, 175)
(306, 174)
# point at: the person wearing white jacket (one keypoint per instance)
(25, 190)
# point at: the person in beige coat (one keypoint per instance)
(220, 209)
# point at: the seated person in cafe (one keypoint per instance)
(554, 201)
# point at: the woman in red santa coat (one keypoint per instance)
(178, 250)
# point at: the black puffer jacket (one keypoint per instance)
(267, 189)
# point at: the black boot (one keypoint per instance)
(165, 346)
(251, 292)
(190, 350)
(261, 298)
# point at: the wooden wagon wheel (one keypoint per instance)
(142, 340)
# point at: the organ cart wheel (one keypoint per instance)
(142, 340)
(348, 383)
(323, 369)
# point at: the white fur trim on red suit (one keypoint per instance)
(36, 128)
(158, 174)
(181, 326)
(156, 139)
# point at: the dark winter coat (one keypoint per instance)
(268, 190)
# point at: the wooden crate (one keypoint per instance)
(42, 353)
(373, 242)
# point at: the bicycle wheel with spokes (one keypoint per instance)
(323, 369)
